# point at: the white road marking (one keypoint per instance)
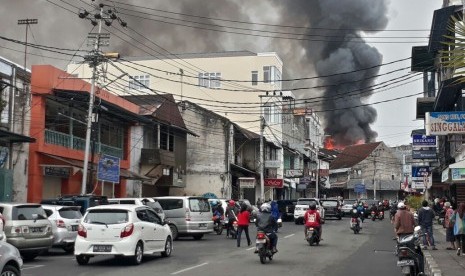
(31, 266)
(189, 268)
(250, 248)
(288, 236)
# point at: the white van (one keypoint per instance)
(147, 201)
(187, 215)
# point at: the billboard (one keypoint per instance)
(108, 169)
(423, 140)
(424, 154)
(419, 172)
(444, 123)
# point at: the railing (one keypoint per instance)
(77, 143)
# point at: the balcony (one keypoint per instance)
(76, 143)
(157, 157)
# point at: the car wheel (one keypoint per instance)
(10, 270)
(29, 256)
(82, 260)
(168, 248)
(138, 254)
(198, 237)
(174, 231)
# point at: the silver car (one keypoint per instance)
(10, 260)
(65, 222)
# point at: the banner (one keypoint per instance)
(445, 123)
(423, 140)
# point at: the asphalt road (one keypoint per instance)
(341, 253)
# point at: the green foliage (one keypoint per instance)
(414, 201)
(454, 57)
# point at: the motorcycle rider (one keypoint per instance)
(267, 223)
(231, 212)
(404, 221)
(356, 214)
(361, 210)
(217, 211)
(312, 219)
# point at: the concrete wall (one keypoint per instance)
(134, 188)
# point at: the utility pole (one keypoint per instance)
(262, 159)
(26, 22)
(95, 58)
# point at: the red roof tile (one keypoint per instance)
(353, 155)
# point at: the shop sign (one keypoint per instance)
(359, 188)
(424, 154)
(247, 182)
(274, 182)
(418, 172)
(445, 123)
(272, 163)
(424, 140)
(57, 171)
(108, 168)
(418, 185)
(458, 174)
(445, 175)
(294, 173)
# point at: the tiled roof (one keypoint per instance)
(353, 155)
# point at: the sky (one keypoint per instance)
(394, 120)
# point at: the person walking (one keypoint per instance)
(243, 219)
(425, 220)
(449, 226)
(458, 219)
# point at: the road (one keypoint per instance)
(341, 253)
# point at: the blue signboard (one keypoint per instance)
(424, 140)
(424, 154)
(359, 188)
(108, 169)
(419, 172)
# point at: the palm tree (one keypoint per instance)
(454, 57)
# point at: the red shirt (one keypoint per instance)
(243, 218)
(312, 218)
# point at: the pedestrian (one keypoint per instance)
(449, 226)
(425, 220)
(243, 219)
(458, 219)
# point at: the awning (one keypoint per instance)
(457, 165)
(8, 137)
(342, 185)
(242, 170)
(124, 173)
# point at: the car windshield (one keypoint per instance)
(27, 212)
(349, 202)
(329, 203)
(199, 205)
(306, 202)
(106, 216)
(70, 213)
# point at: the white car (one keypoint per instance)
(302, 206)
(65, 221)
(122, 230)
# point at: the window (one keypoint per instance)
(107, 216)
(139, 82)
(166, 141)
(271, 74)
(210, 80)
(267, 113)
(171, 204)
(266, 74)
(254, 77)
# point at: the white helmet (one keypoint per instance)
(401, 205)
(266, 207)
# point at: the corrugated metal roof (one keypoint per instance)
(353, 155)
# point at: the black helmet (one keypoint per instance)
(312, 206)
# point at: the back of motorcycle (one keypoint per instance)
(261, 244)
(312, 236)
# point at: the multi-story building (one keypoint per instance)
(15, 109)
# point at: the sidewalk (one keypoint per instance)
(443, 262)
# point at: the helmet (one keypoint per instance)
(400, 205)
(266, 207)
(232, 203)
(214, 202)
(312, 206)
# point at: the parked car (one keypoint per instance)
(332, 208)
(286, 208)
(147, 201)
(302, 206)
(122, 230)
(2, 229)
(65, 222)
(187, 215)
(84, 201)
(10, 260)
(27, 228)
(347, 206)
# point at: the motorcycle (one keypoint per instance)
(263, 246)
(355, 223)
(217, 225)
(392, 213)
(312, 236)
(232, 228)
(377, 215)
(410, 256)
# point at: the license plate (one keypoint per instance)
(260, 241)
(102, 248)
(202, 225)
(35, 229)
(405, 262)
(74, 227)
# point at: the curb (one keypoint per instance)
(431, 267)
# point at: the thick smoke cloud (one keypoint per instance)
(345, 20)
